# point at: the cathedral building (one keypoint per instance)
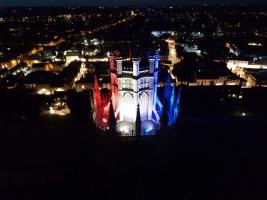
(133, 94)
(136, 87)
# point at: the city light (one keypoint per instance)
(60, 90)
(44, 91)
(255, 44)
(57, 109)
(51, 110)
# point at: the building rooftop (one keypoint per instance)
(40, 77)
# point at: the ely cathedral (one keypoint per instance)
(133, 96)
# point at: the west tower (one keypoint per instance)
(136, 86)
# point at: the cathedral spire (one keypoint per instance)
(138, 122)
(167, 91)
(97, 101)
(164, 118)
(112, 119)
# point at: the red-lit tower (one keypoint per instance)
(101, 106)
(102, 99)
(113, 80)
(97, 101)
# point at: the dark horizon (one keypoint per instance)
(121, 3)
(139, 6)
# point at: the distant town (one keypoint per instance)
(52, 51)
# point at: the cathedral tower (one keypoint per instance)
(136, 88)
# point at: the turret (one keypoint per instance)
(136, 65)
(97, 102)
(156, 63)
(119, 65)
(151, 65)
(112, 63)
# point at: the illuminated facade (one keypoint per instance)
(172, 103)
(101, 106)
(233, 64)
(136, 87)
(133, 91)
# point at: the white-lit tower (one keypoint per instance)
(135, 87)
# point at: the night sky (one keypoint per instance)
(121, 2)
